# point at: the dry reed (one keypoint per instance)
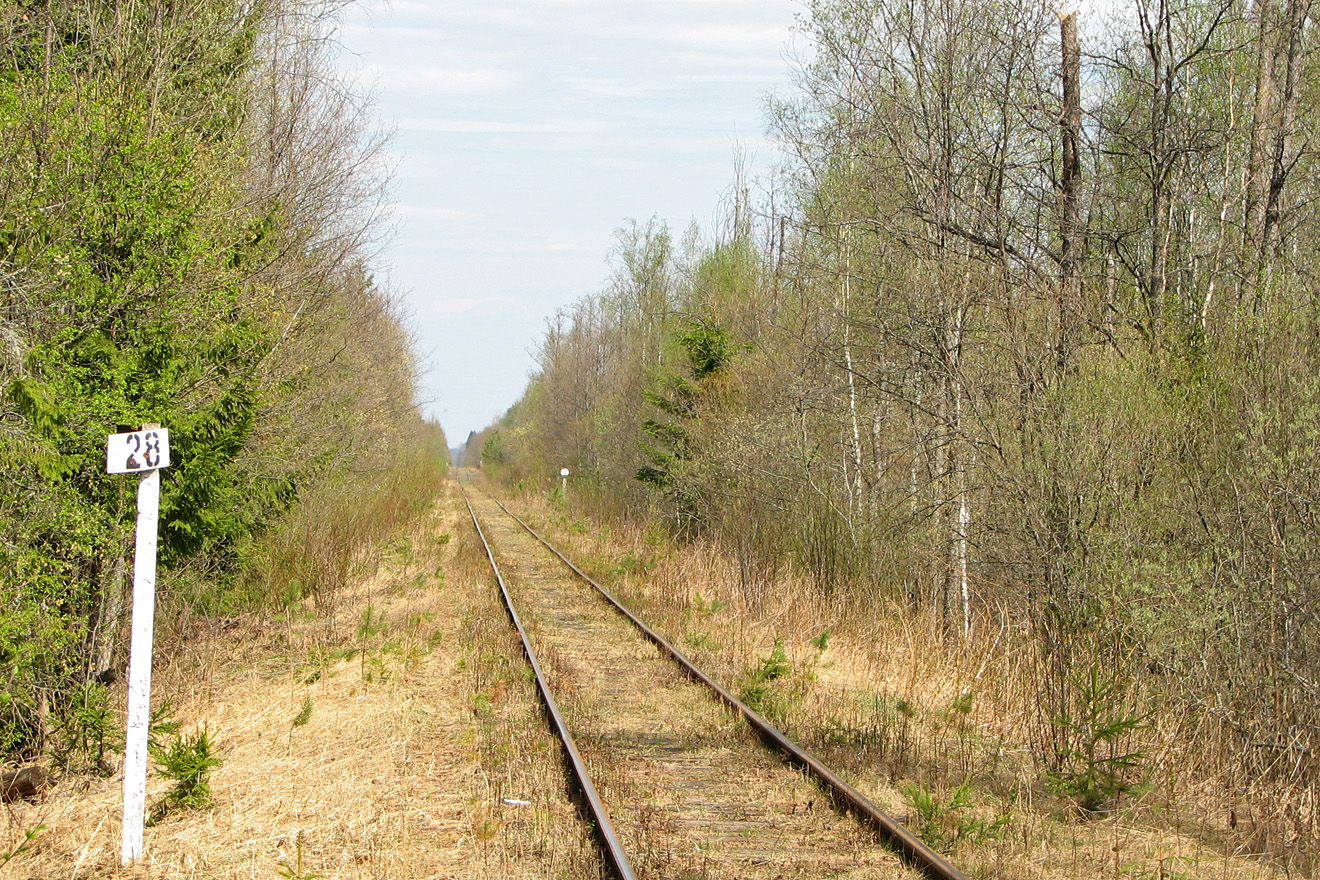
(897, 707)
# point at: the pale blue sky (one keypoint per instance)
(527, 132)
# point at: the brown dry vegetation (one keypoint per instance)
(690, 788)
(1018, 348)
(880, 702)
(422, 730)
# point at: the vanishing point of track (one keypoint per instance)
(685, 787)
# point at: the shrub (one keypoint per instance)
(188, 760)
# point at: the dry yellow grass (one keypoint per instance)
(423, 756)
(691, 790)
(425, 739)
(878, 704)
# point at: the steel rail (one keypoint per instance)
(913, 849)
(600, 816)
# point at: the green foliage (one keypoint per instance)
(701, 641)
(188, 760)
(371, 623)
(775, 666)
(962, 704)
(400, 551)
(725, 286)
(708, 346)
(158, 279)
(35, 401)
(677, 398)
(124, 237)
(30, 836)
(493, 450)
(209, 503)
(1096, 768)
(296, 871)
(305, 713)
(631, 563)
(757, 683)
(88, 731)
(944, 823)
(822, 641)
(707, 607)
(708, 351)
(161, 724)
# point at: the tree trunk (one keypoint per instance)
(1070, 232)
(1280, 55)
(1290, 52)
(855, 484)
(110, 617)
(1257, 179)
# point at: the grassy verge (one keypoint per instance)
(387, 734)
(329, 538)
(939, 733)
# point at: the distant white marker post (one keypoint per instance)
(142, 452)
(563, 488)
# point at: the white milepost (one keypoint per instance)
(144, 452)
(563, 488)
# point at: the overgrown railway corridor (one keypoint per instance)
(392, 732)
(691, 790)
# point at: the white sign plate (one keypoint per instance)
(137, 451)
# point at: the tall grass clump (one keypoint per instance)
(316, 548)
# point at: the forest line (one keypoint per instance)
(192, 195)
(1021, 343)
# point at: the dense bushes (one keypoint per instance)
(187, 196)
(1032, 351)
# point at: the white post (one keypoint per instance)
(563, 486)
(143, 452)
(139, 665)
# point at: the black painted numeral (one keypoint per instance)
(152, 454)
(135, 441)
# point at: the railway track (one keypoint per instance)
(673, 770)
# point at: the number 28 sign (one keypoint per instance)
(137, 451)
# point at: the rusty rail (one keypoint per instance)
(913, 850)
(610, 843)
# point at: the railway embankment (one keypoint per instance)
(391, 730)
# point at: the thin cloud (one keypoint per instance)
(654, 87)
(723, 39)
(616, 163)
(435, 212)
(457, 307)
(444, 81)
(728, 26)
(504, 246)
(498, 126)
